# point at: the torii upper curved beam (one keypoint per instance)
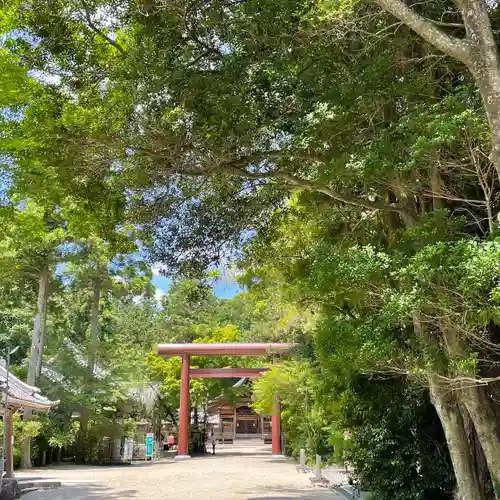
(260, 349)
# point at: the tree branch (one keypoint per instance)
(445, 24)
(204, 54)
(291, 180)
(236, 167)
(97, 30)
(208, 49)
(427, 29)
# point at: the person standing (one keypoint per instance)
(212, 439)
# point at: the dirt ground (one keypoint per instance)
(246, 471)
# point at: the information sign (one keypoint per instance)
(149, 444)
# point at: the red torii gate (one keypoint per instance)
(188, 350)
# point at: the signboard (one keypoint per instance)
(149, 444)
(128, 450)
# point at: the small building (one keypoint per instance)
(17, 396)
(237, 419)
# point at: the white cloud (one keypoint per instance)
(156, 269)
(45, 77)
(159, 294)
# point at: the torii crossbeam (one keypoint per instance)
(188, 350)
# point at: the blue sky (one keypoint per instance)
(224, 288)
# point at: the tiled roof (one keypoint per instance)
(21, 394)
(241, 382)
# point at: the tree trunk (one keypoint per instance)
(94, 323)
(480, 409)
(172, 415)
(478, 51)
(450, 415)
(91, 360)
(436, 185)
(41, 343)
(484, 417)
(37, 326)
(478, 458)
(43, 283)
(116, 445)
(82, 436)
(484, 64)
(205, 412)
(449, 412)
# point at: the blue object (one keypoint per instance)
(149, 445)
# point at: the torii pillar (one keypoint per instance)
(188, 350)
(184, 412)
(276, 428)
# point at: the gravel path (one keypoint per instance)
(239, 472)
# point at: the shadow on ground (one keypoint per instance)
(40, 472)
(285, 493)
(302, 496)
(242, 454)
(87, 492)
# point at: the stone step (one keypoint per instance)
(38, 484)
(29, 478)
(29, 490)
